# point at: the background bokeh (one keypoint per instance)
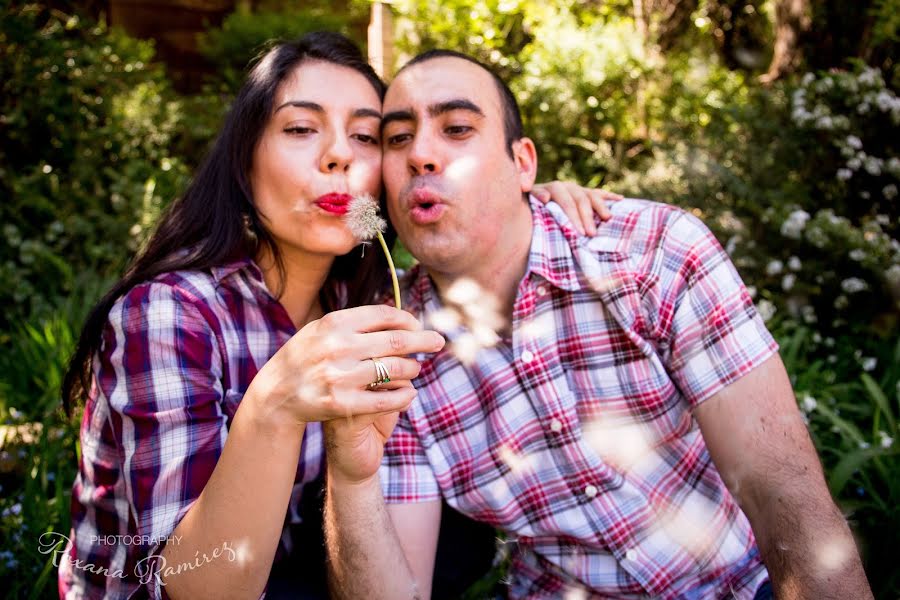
(774, 121)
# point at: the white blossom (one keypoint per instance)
(852, 285)
(794, 224)
(774, 267)
(844, 174)
(787, 282)
(825, 122)
(808, 403)
(854, 163)
(886, 441)
(857, 254)
(889, 191)
(884, 100)
(873, 165)
(751, 290)
(794, 264)
(854, 142)
(766, 309)
(869, 363)
(808, 78)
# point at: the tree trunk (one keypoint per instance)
(793, 20)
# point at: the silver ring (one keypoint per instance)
(381, 374)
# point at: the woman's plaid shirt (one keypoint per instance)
(575, 435)
(178, 354)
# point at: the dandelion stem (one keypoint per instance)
(387, 254)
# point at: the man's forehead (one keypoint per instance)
(440, 79)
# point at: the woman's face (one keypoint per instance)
(320, 147)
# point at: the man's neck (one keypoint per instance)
(500, 273)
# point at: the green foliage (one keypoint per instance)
(85, 162)
(244, 37)
(850, 395)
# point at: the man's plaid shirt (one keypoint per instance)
(575, 436)
(178, 354)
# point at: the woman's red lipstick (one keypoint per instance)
(335, 204)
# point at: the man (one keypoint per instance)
(627, 425)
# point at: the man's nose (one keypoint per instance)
(337, 156)
(423, 155)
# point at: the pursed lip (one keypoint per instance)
(334, 203)
(425, 206)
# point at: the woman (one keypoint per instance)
(207, 369)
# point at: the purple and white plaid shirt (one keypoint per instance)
(178, 354)
(575, 436)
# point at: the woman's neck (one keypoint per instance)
(304, 276)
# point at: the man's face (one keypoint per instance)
(452, 187)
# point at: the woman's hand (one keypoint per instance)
(578, 202)
(323, 372)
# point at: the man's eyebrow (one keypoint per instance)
(455, 104)
(397, 115)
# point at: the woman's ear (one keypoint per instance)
(525, 157)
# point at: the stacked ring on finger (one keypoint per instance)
(381, 374)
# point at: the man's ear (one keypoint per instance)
(525, 157)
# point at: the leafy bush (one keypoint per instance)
(85, 163)
(243, 37)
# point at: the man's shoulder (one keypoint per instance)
(639, 227)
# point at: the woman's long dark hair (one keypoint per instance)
(216, 222)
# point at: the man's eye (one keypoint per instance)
(457, 130)
(397, 139)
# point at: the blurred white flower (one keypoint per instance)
(886, 441)
(863, 108)
(854, 142)
(809, 316)
(873, 165)
(788, 281)
(766, 309)
(825, 122)
(808, 78)
(893, 166)
(889, 191)
(893, 275)
(794, 224)
(864, 445)
(751, 289)
(841, 302)
(869, 363)
(852, 285)
(808, 403)
(794, 264)
(884, 100)
(844, 174)
(774, 267)
(854, 163)
(857, 254)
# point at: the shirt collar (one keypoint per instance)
(552, 239)
(222, 272)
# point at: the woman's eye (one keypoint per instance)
(298, 130)
(367, 139)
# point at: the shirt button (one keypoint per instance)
(590, 491)
(555, 426)
(631, 555)
(527, 356)
(542, 290)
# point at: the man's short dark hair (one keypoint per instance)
(512, 117)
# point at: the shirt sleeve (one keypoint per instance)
(709, 331)
(160, 371)
(406, 474)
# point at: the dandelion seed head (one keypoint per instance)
(363, 219)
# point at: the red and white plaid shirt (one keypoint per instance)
(178, 354)
(575, 436)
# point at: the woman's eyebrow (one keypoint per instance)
(302, 104)
(367, 112)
